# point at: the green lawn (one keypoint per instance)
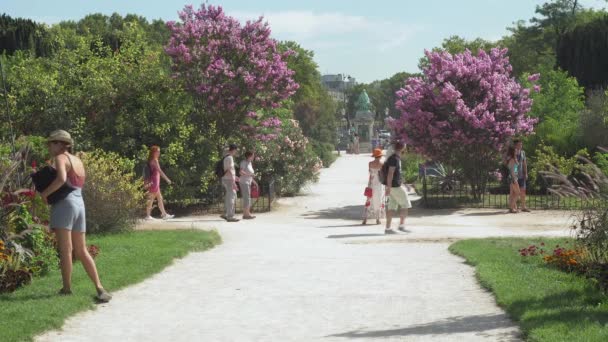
(548, 304)
(124, 259)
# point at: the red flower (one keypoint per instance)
(34, 164)
(29, 194)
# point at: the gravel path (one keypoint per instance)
(310, 272)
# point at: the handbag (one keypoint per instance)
(368, 192)
(43, 178)
(255, 192)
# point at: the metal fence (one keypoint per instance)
(212, 201)
(438, 194)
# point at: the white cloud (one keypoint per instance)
(327, 29)
(308, 23)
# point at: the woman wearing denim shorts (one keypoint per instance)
(68, 219)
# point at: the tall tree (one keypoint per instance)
(583, 51)
(17, 34)
(312, 105)
(463, 110)
(231, 69)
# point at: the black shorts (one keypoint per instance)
(522, 183)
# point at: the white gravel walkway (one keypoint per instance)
(310, 272)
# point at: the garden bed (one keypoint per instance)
(124, 259)
(549, 304)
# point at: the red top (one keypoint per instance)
(74, 180)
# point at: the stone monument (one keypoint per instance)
(364, 122)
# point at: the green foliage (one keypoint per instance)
(594, 120)
(23, 34)
(457, 44)
(325, 152)
(410, 165)
(601, 160)
(533, 47)
(113, 196)
(557, 106)
(312, 105)
(45, 256)
(289, 159)
(382, 94)
(547, 160)
(583, 51)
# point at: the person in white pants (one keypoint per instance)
(229, 181)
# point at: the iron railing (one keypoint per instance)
(212, 201)
(437, 194)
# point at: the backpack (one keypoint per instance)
(219, 168)
(383, 173)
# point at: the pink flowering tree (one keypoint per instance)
(232, 69)
(463, 110)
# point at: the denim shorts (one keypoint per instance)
(69, 213)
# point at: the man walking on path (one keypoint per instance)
(522, 173)
(397, 196)
(229, 181)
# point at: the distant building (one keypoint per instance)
(338, 83)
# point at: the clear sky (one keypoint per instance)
(368, 40)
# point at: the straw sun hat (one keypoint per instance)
(377, 153)
(60, 135)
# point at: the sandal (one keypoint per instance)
(248, 217)
(103, 296)
(64, 292)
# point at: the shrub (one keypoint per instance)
(547, 159)
(113, 195)
(325, 151)
(410, 165)
(283, 154)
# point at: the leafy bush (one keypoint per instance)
(113, 195)
(410, 163)
(594, 120)
(557, 106)
(325, 151)
(283, 153)
(547, 159)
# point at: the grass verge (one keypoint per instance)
(125, 259)
(548, 304)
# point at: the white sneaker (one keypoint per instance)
(150, 218)
(168, 217)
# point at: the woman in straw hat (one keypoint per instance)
(374, 205)
(68, 215)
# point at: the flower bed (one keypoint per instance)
(570, 259)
